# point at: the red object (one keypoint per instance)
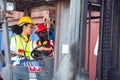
(52, 42)
(50, 55)
(50, 52)
(40, 27)
(21, 50)
(38, 69)
(35, 69)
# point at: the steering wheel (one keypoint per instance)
(38, 55)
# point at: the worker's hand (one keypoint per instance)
(15, 53)
(19, 54)
(12, 52)
(45, 49)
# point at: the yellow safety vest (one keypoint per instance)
(39, 43)
(28, 46)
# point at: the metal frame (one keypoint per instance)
(75, 34)
(76, 20)
(104, 51)
(6, 43)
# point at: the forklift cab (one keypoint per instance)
(70, 41)
(74, 40)
(20, 72)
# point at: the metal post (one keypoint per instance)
(89, 36)
(6, 42)
(82, 36)
(8, 70)
(57, 35)
(61, 41)
(74, 29)
(71, 32)
(77, 26)
(104, 51)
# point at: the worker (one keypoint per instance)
(22, 40)
(21, 44)
(41, 31)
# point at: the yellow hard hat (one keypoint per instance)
(25, 19)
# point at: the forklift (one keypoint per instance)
(27, 71)
(71, 19)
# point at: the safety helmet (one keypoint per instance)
(25, 19)
(40, 27)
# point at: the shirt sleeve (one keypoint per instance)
(34, 45)
(13, 44)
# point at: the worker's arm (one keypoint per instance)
(45, 49)
(13, 45)
(13, 49)
(41, 48)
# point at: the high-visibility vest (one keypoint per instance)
(39, 43)
(19, 46)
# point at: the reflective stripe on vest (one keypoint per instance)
(39, 43)
(20, 46)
